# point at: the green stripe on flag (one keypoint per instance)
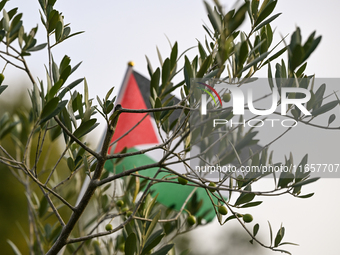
(169, 194)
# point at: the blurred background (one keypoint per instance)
(120, 31)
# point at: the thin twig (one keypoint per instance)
(69, 133)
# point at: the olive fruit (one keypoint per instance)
(121, 247)
(95, 243)
(2, 77)
(191, 220)
(226, 97)
(120, 203)
(182, 181)
(108, 227)
(247, 218)
(125, 209)
(222, 210)
(212, 184)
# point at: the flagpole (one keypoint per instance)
(125, 81)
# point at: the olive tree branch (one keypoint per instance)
(23, 167)
(56, 164)
(146, 191)
(92, 186)
(127, 132)
(69, 133)
(54, 209)
(177, 215)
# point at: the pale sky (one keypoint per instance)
(119, 31)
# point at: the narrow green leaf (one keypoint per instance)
(254, 62)
(204, 67)
(38, 47)
(152, 225)
(307, 195)
(159, 56)
(319, 95)
(296, 58)
(174, 87)
(2, 88)
(265, 12)
(55, 71)
(51, 2)
(275, 56)
(267, 21)
(244, 198)
(154, 239)
(43, 207)
(49, 107)
(158, 104)
(288, 243)
(16, 24)
(312, 48)
(53, 19)
(65, 74)
(131, 244)
(254, 9)
(2, 4)
(65, 62)
(14, 247)
(188, 72)
(54, 90)
(210, 75)
(150, 70)
(5, 20)
(300, 71)
(5, 131)
(70, 164)
(185, 252)
(69, 87)
(311, 180)
(264, 4)
(236, 20)
(59, 30)
(213, 17)
(256, 229)
(271, 233)
(173, 56)
(108, 94)
(67, 31)
(165, 72)
(97, 250)
(285, 179)
(75, 67)
(85, 128)
(202, 52)
(279, 236)
(164, 250)
(154, 83)
(56, 111)
(270, 77)
(331, 119)
(208, 32)
(325, 108)
(252, 204)
(300, 171)
(12, 12)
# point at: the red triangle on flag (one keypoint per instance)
(144, 133)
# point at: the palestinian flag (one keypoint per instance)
(135, 94)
